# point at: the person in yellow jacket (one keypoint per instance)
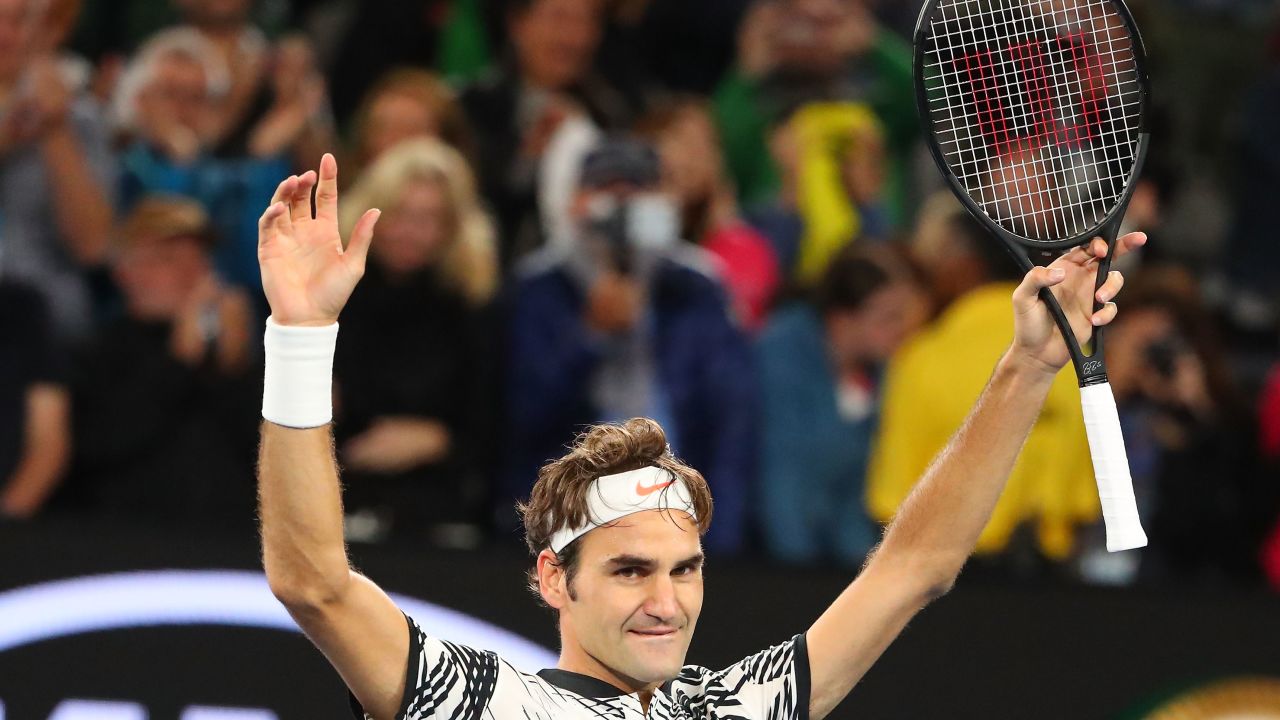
(935, 378)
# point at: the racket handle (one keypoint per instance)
(1111, 469)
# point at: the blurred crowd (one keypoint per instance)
(717, 213)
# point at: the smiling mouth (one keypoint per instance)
(654, 633)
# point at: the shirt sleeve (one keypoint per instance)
(31, 328)
(442, 680)
(770, 685)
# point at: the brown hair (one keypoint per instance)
(559, 497)
(695, 219)
(165, 217)
(427, 89)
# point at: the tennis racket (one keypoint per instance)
(1034, 112)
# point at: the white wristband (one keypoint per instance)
(297, 389)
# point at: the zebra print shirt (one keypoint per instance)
(455, 682)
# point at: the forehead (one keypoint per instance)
(659, 534)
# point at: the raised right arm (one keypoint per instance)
(308, 276)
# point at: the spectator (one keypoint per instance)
(448, 37)
(628, 322)
(791, 52)
(163, 398)
(1189, 436)
(35, 427)
(820, 366)
(516, 110)
(831, 162)
(276, 102)
(408, 103)
(55, 170)
(167, 106)
(685, 46)
(932, 381)
(166, 99)
(416, 371)
(693, 173)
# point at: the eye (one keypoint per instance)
(627, 572)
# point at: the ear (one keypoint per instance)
(551, 580)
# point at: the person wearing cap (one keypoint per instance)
(159, 394)
(626, 320)
(614, 524)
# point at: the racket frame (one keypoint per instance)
(1090, 368)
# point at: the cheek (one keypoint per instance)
(691, 600)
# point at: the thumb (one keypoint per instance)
(361, 237)
(1027, 294)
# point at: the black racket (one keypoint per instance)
(1034, 112)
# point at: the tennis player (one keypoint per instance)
(614, 524)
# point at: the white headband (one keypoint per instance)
(612, 497)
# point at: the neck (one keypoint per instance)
(575, 659)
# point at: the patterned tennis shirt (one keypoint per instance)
(455, 682)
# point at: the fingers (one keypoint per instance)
(1027, 293)
(285, 189)
(268, 230)
(1105, 315)
(1110, 288)
(1084, 254)
(1130, 242)
(327, 189)
(300, 200)
(1097, 248)
(361, 238)
(281, 221)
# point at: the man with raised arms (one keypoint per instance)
(614, 525)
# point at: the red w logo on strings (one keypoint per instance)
(994, 89)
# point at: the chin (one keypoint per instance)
(655, 666)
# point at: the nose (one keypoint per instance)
(661, 603)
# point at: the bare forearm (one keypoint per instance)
(83, 213)
(938, 525)
(45, 452)
(300, 504)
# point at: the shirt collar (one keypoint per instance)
(587, 686)
(583, 685)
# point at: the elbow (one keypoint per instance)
(307, 595)
(935, 574)
(939, 586)
(929, 576)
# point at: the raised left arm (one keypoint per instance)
(936, 529)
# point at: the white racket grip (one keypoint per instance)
(1111, 469)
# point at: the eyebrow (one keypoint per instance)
(647, 562)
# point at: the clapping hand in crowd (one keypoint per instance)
(214, 317)
(41, 104)
(301, 99)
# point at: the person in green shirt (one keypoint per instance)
(792, 51)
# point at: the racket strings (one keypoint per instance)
(1035, 106)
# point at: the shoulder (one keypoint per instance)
(773, 683)
(790, 323)
(541, 264)
(695, 264)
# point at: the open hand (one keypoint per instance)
(1071, 278)
(307, 274)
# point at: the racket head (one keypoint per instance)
(1037, 131)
